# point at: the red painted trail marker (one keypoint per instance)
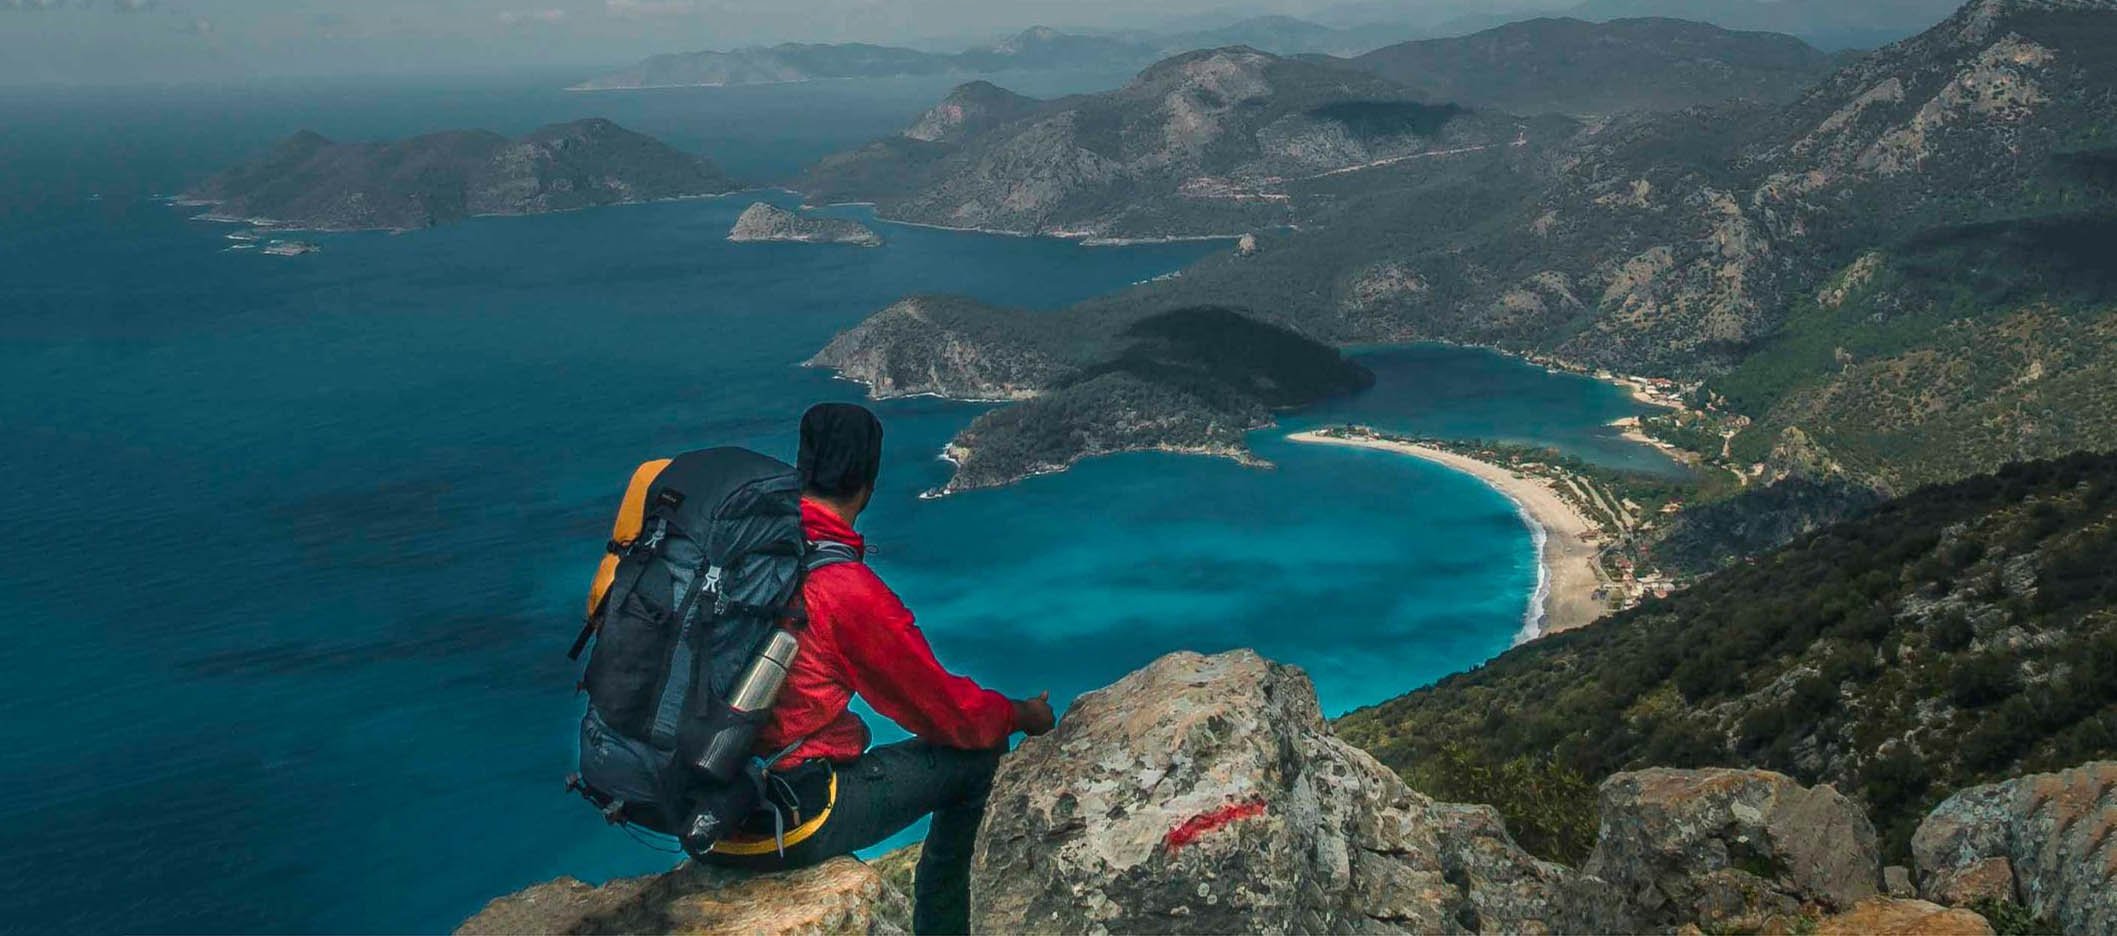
(1190, 829)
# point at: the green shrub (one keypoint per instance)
(2012, 919)
(1550, 809)
(1984, 680)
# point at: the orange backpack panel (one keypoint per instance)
(630, 516)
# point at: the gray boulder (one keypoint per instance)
(1206, 795)
(1731, 847)
(1896, 882)
(840, 896)
(2046, 841)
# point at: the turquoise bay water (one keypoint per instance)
(296, 545)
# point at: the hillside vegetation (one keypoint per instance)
(1961, 634)
(1947, 355)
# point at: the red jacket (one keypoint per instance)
(861, 639)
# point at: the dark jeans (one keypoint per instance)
(884, 792)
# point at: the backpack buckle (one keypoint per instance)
(712, 587)
(654, 539)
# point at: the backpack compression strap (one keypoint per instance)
(824, 553)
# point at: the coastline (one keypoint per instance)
(1083, 238)
(1630, 430)
(1567, 577)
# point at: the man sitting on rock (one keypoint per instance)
(839, 795)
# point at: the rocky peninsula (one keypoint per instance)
(1192, 380)
(1219, 800)
(762, 222)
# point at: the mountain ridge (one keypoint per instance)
(1577, 67)
(1199, 144)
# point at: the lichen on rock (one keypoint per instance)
(2046, 841)
(1732, 846)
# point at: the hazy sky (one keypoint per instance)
(129, 41)
(123, 41)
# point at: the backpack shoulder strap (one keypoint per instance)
(823, 553)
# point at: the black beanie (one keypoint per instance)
(841, 449)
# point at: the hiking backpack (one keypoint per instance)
(704, 562)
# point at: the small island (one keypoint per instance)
(309, 182)
(763, 222)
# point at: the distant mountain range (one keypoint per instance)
(1039, 48)
(1832, 25)
(311, 182)
(1577, 67)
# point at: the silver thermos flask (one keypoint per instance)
(755, 691)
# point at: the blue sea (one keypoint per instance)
(295, 545)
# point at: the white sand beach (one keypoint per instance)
(1569, 539)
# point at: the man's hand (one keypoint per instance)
(1033, 716)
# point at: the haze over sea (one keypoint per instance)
(295, 545)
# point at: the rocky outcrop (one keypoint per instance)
(841, 896)
(1206, 795)
(763, 222)
(2046, 841)
(969, 110)
(942, 346)
(1732, 846)
(312, 182)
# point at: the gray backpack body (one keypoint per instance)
(712, 567)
